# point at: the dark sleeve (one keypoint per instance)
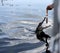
(39, 25)
(50, 7)
(41, 22)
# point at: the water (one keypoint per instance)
(17, 21)
(15, 10)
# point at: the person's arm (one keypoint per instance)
(39, 25)
(49, 7)
(46, 12)
(46, 27)
(42, 22)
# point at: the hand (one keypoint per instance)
(46, 20)
(45, 17)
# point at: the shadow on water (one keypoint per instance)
(20, 47)
(2, 33)
(3, 41)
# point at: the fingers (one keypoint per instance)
(46, 17)
(46, 20)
